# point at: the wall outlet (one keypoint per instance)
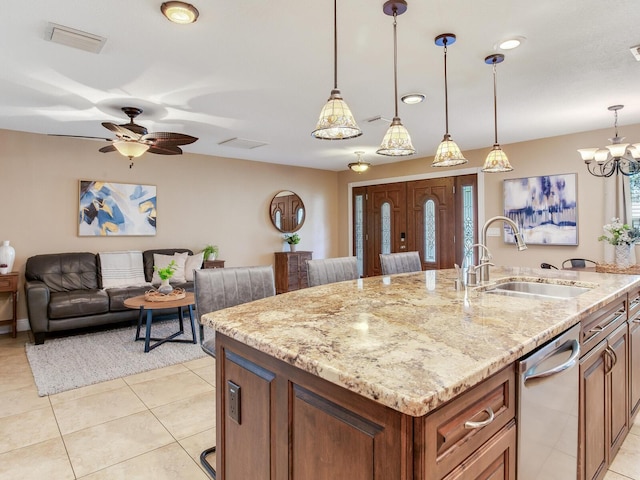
(233, 401)
(493, 232)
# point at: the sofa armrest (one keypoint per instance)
(37, 297)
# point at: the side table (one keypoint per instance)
(214, 264)
(9, 284)
(142, 304)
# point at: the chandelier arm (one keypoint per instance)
(627, 167)
(602, 170)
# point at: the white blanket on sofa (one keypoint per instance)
(122, 269)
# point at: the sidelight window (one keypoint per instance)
(385, 224)
(430, 231)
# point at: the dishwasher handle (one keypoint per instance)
(575, 347)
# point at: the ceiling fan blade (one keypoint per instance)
(164, 149)
(81, 136)
(107, 149)
(168, 138)
(121, 132)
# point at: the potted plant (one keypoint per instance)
(165, 274)
(621, 236)
(210, 252)
(292, 240)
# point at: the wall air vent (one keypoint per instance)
(74, 38)
(242, 143)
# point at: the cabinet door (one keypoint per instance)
(495, 460)
(617, 390)
(634, 366)
(593, 414)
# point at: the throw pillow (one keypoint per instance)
(121, 269)
(194, 262)
(161, 261)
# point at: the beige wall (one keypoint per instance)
(554, 155)
(201, 199)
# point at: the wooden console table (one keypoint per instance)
(291, 271)
(9, 284)
(214, 264)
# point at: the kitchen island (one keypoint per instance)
(345, 380)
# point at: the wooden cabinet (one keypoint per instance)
(275, 421)
(291, 271)
(9, 284)
(634, 355)
(214, 264)
(603, 392)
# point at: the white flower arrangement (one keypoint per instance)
(617, 233)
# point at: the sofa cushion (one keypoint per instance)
(64, 272)
(147, 258)
(162, 261)
(117, 296)
(78, 303)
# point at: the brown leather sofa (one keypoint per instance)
(64, 291)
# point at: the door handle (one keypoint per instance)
(472, 425)
(575, 353)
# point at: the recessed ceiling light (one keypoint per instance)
(510, 43)
(412, 98)
(180, 12)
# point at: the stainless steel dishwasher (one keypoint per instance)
(548, 384)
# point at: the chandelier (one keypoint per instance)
(359, 166)
(613, 158)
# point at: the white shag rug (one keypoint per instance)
(62, 364)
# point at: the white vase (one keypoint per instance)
(292, 247)
(623, 256)
(7, 256)
(165, 287)
(212, 256)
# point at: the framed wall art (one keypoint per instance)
(544, 208)
(116, 209)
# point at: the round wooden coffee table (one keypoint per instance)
(140, 303)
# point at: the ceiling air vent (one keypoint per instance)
(242, 143)
(636, 52)
(75, 38)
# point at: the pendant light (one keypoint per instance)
(448, 153)
(497, 160)
(359, 166)
(397, 141)
(336, 121)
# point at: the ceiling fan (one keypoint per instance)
(133, 140)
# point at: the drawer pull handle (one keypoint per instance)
(636, 320)
(471, 425)
(597, 328)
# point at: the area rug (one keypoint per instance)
(62, 364)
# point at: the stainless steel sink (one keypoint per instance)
(537, 289)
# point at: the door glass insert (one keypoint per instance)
(385, 214)
(430, 231)
(468, 226)
(359, 233)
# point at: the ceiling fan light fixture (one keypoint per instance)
(359, 166)
(180, 12)
(336, 121)
(130, 149)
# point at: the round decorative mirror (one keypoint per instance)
(287, 212)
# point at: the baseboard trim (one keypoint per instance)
(22, 324)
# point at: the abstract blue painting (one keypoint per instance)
(544, 208)
(116, 209)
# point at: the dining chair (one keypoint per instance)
(403, 262)
(330, 270)
(578, 263)
(548, 266)
(218, 288)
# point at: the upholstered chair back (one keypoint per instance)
(403, 262)
(330, 270)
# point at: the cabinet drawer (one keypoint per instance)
(634, 303)
(600, 324)
(8, 283)
(457, 429)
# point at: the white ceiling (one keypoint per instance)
(262, 70)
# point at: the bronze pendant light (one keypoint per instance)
(497, 161)
(359, 166)
(448, 153)
(336, 121)
(397, 141)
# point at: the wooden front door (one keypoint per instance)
(387, 224)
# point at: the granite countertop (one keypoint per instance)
(411, 341)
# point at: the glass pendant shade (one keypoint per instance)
(180, 12)
(635, 151)
(601, 155)
(448, 154)
(336, 121)
(617, 150)
(359, 166)
(497, 161)
(130, 149)
(587, 154)
(397, 141)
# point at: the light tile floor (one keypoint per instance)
(150, 425)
